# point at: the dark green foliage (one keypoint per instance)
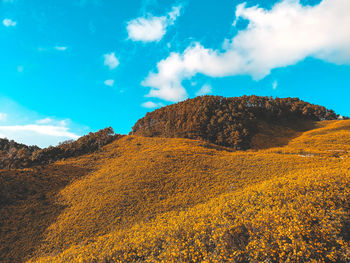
(230, 122)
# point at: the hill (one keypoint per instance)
(11, 150)
(152, 199)
(232, 122)
(15, 155)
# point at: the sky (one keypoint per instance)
(68, 67)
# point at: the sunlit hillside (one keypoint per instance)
(142, 199)
(239, 122)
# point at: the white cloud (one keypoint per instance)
(166, 84)
(279, 37)
(28, 127)
(151, 104)
(34, 134)
(54, 122)
(206, 89)
(63, 123)
(44, 121)
(3, 116)
(111, 61)
(174, 14)
(9, 22)
(109, 82)
(274, 85)
(52, 48)
(57, 131)
(151, 28)
(60, 48)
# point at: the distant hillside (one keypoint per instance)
(11, 150)
(143, 199)
(15, 155)
(231, 122)
(112, 198)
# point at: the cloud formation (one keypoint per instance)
(57, 131)
(151, 104)
(111, 61)
(35, 134)
(151, 28)
(279, 37)
(109, 82)
(28, 127)
(51, 121)
(3, 116)
(61, 48)
(9, 22)
(204, 90)
(52, 48)
(44, 121)
(274, 85)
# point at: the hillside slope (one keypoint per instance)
(172, 199)
(233, 122)
(15, 155)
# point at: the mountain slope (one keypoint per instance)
(172, 199)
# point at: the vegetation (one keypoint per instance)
(231, 122)
(14, 155)
(289, 219)
(142, 199)
(159, 199)
(11, 150)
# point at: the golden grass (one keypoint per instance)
(290, 219)
(173, 200)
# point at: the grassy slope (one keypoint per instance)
(176, 199)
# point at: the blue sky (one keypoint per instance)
(69, 67)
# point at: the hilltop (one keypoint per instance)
(232, 122)
(239, 123)
(153, 199)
